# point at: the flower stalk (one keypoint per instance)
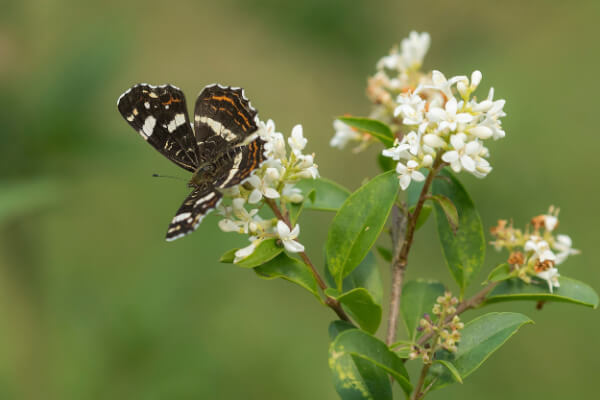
(400, 260)
(329, 301)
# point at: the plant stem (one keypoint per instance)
(400, 260)
(417, 394)
(329, 301)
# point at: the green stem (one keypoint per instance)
(417, 393)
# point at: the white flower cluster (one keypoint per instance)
(428, 114)
(274, 179)
(396, 72)
(437, 121)
(537, 253)
(411, 55)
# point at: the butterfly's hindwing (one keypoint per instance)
(224, 112)
(159, 114)
(194, 208)
(245, 160)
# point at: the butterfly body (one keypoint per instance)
(220, 148)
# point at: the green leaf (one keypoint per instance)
(338, 326)
(367, 276)
(480, 338)
(402, 348)
(570, 291)
(328, 195)
(464, 251)
(450, 368)
(358, 223)
(265, 251)
(372, 126)
(228, 256)
(362, 346)
(449, 209)
(418, 298)
(290, 269)
(361, 306)
(500, 273)
(386, 163)
(362, 293)
(385, 253)
(367, 381)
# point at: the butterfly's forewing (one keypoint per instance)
(199, 203)
(223, 113)
(159, 114)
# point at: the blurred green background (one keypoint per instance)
(95, 304)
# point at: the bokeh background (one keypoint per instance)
(94, 304)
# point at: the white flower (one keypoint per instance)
(433, 141)
(400, 150)
(244, 252)
(228, 225)
(464, 154)
(482, 167)
(464, 88)
(551, 277)
(287, 237)
(343, 135)
(391, 61)
(297, 141)
(266, 130)
(275, 147)
(261, 188)
(411, 107)
(447, 117)
(408, 172)
(481, 132)
(308, 169)
(245, 217)
(413, 140)
(540, 248)
(563, 245)
(414, 49)
(292, 194)
(550, 222)
(441, 83)
(427, 161)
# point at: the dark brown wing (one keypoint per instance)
(159, 114)
(199, 203)
(223, 112)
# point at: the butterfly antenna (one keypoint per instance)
(168, 176)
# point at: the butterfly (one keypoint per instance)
(220, 149)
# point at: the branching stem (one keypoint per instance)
(418, 393)
(329, 301)
(400, 260)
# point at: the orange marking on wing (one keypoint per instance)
(230, 101)
(171, 100)
(223, 98)
(245, 120)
